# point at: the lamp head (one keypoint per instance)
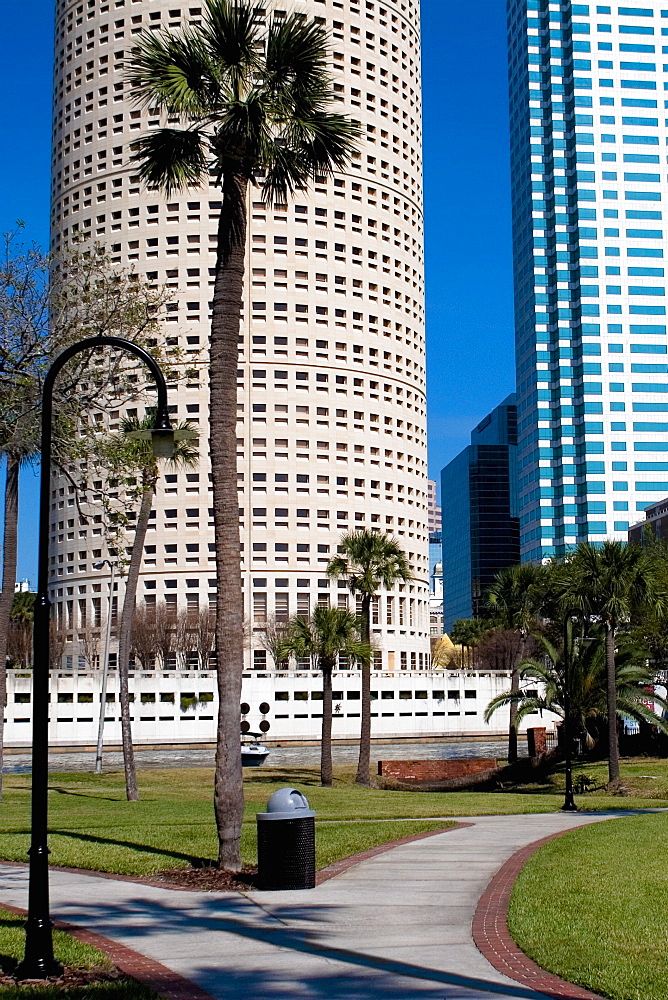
(162, 441)
(162, 435)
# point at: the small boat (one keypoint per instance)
(253, 753)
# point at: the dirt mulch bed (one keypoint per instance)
(208, 879)
(71, 978)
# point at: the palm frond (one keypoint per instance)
(171, 159)
(326, 140)
(242, 133)
(500, 701)
(370, 560)
(172, 72)
(286, 171)
(516, 596)
(232, 36)
(536, 670)
(532, 706)
(325, 634)
(641, 712)
(253, 99)
(296, 56)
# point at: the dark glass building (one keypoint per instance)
(480, 513)
(655, 524)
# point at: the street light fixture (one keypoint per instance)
(105, 665)
(38, 961)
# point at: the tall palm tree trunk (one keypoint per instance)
(363, 776)
(125, 637)
(514, 688)
(326, 738)
(611, 677)
(227, 299)
(512, 726)
(8, 583)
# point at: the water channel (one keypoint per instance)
(280, 756)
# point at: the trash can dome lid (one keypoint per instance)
(287, 799)
(287, 803)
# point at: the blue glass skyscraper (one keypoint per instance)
(480, 534)
(588, 105)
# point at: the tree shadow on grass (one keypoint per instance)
(281, 775)
(194, 860)
(16, 923)
(86, 795)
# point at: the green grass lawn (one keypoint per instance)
(70, 952)
(591, 907)
(93, 826)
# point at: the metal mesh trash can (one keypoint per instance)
(286, 842)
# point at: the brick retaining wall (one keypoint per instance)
(434, 770)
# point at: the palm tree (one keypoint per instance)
(608, 584)
(369, 561)
(20, 450)
(20, 637)
(251, 94)
(139, 454)
(327, 633)
(515, 599)
(587, 685)
(467, 633)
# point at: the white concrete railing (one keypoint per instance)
(180, 705)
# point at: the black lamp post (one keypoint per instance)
(569, 802)
(38, 961)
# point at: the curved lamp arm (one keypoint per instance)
(38, 961)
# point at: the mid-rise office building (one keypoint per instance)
(434, 514)
(480, 516)
(331, 374)
(434, 508)
(654, 524)
(588, 140)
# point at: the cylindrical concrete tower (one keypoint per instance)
(331, 379)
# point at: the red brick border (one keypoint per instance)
(165, 982)
(492, 937)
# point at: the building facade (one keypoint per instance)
(588, 130)
(654, 524)
(435, 512)
(331, 375)
(480, 513)
(180, 706)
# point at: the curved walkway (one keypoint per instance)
(394, 927)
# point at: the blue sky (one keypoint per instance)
(470, 357)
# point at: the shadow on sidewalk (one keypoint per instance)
(276, 976)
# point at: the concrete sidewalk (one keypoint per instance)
(395, 927)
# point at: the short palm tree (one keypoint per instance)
(251, 94)
(17, 453)
(131, 453)
(587, 685)
(608, 584)
(369, 561)
(515, 599)
(326, 634)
